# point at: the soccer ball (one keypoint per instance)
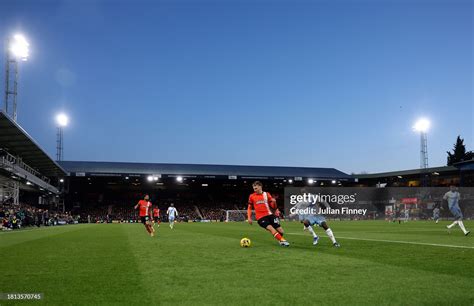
(245, 243)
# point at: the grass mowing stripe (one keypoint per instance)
(44, 228)
(395, 241)
(86, 267)
(8, 240)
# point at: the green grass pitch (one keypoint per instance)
(379, 263)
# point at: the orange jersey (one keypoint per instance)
(262, 204)
(156, 212)
(144, 207)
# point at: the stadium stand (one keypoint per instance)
(28, 177)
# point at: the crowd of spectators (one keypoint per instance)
(23, 215)
(125, 212)
(190, 206)
(14, 217)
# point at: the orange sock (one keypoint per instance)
(278, 236)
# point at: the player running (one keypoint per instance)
(407, 215)
(156, 216)
(436, 214)
(309, 220)
(452, 196)
(398, 214)
(144, 207)
(172, 214)
(262, 202)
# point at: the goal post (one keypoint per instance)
(237, 215)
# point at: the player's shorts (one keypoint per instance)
(144, 219)
(157, 219)
(456, 211)
(171, 219)
(269, 220)
(315, 219)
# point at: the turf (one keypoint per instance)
(202, 263)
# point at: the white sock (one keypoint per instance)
(331, 235)
(461, 225)
(311, 230)
(452, 224)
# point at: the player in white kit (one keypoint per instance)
(453, 196)
(172, 215)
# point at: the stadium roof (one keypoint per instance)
(17, 142)
(465, 165)
(85, 168)
(406, 172)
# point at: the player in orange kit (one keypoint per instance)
(264, 206)
(156, 216)
(144, 207)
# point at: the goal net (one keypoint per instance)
(237, 215)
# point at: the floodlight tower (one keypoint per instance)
(62, 121)
(16, 49)
(422, 126)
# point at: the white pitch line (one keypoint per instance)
(397, 241)
(24, 230)
(43, 228)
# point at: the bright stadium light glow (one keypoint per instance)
(310, 181)
(290, 181)
(19, 47)
(62, 119)
(155, 178)
(150, 178)
(422, 125)
(333, 181)
(61, 180)
(179, 179)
